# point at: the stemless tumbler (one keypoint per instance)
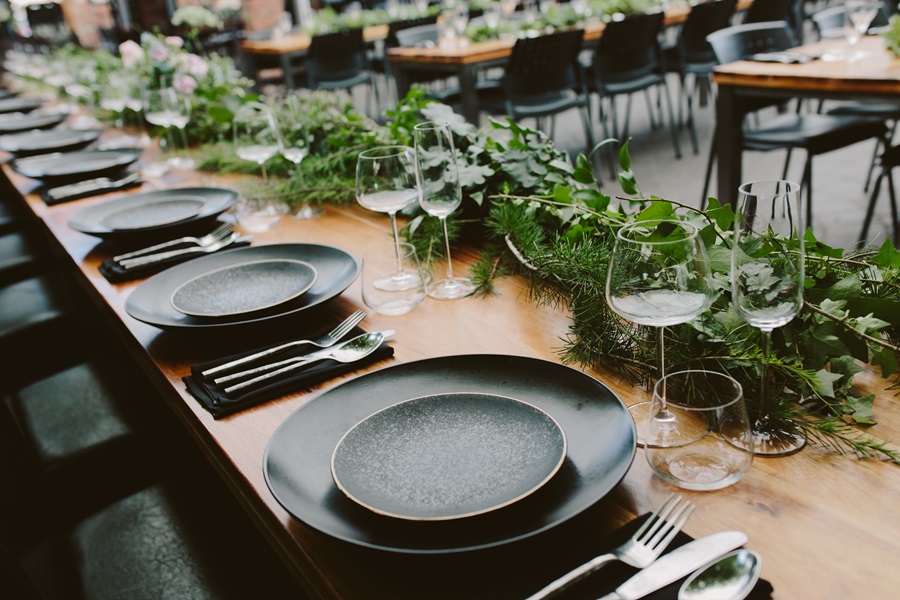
(707, 401)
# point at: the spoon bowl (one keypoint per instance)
(729, 577)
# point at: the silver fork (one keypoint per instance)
(221, 231)
(329, 339)
(140, 261)
(643, 548)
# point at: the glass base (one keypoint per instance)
(775, 443)
(640, 412)
(179, 162)
(155, 169)
(451, 289)
(398, 281)
(308, 212)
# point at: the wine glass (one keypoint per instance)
(767, 283)
(860, 14)
(181, 115)
(658, 275)
(386, 182)
(440, 195)
(166, 108)
(255, 137)
(293, 143)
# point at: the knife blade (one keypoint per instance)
(676, 564)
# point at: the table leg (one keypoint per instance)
(401, 80)
(729, 141)
(468, 76)
(288, 72)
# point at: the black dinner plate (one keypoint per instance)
(15, 122)
(19, 105)
(49, 140)
(599, 431)
(151, 302)
(100, 219)
(61, 167)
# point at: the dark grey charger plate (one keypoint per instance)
(60, 167)
(15, 122)
(47, 140)
(150, 302)
(21, 105)
(95, 220)
(599, 431)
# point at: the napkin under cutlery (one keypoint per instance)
(115, 273)
(91, 187)
(215, 401)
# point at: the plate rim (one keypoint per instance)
(79, 135)
(624, 466)
(553, 471)
(208, 323)
(44, 121)
(203, 202)
(312, 282)
(118, 158)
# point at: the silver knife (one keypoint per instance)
(100, 183)
(676, 564)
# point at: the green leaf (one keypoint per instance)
(887, 257)
(886, 359)
(625, 157)
(657, 210)
(846, 366)
(594, 199)
(845, 289)
(628, 183)
(861, 409)
(719, 258)
(869, 324)
(823, 382)
(722, 215)
(474, 175)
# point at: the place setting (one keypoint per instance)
(43, 141)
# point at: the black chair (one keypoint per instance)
(692, 55)
(628, 60)
(767, 11)
(542, 78)
(340, 61)
(889, 159)
(379, 62)
(814, 133)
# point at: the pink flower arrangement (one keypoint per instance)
(131, 53)
(184, 84)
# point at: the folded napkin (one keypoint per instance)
(114, 273)
(216, 403)
(87, 191)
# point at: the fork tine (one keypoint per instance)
(686, 512)
(347, 324)
(670, 526)
(222, 230)
(657, 518)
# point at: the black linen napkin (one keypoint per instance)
(213, 400)
(49, 201)
(114, 273)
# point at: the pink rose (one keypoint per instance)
(185, 84)
(131, 53)
(158, 52)
(175, 41)
(197, 66)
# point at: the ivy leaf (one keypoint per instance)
(869, 324)
(722, 215)
(594, 199)
(719, 258)
(628, 183)
(845, 289)
(823, 382)
(861, 409)
(584, 171)
(834, 308)
(625, 157)
(473, 175)
(656, 210)
(887, 257)
(886, 360)
(846, 366)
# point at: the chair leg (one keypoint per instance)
(683, 93)
(585, 111)
(709, 167)
(787, 163)
(807, 185)
(870, 210)
(672, 126)
(893, 196)
(878, 145)
(692, 128)
(653, 124)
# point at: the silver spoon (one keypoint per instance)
(729, 577)
(348, 352)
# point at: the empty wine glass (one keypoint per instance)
(767, 286)
(181, 109)
(386, 182)
(255, 137)
(658, 276)
(860, 14)
(166, 108)
(293, 143)
(440, 195)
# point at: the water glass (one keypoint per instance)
(258, 212)
(708, 443)
(382, 261)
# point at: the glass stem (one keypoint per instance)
(663, 414)
(447, 246)
(396, 241)
(183, 138)
(764, 377)
(264, 174)
(169, 139)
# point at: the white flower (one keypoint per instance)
(131, 53)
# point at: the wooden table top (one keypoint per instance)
(826, 525)
(299, 42)
(876, 71)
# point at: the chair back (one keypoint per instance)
(423, 35)
(546, 64)
(629, 49)
(740, 41)
(834, 17)
(336, 57)
(392, 40)
(762, 11)
(702, 21)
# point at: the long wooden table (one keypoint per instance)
(875, 76)
(826, 525)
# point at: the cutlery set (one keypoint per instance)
(644, 548)
(218, 239)
(91, 186)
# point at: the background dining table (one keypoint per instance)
(874, 74)
(825, 524)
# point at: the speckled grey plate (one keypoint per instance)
(59, 167)
(448, 456)
(244, 288)
(600, 438)
(14, 122)
(152, 213)
(165, 212)
(52, 140)
(20, 105)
